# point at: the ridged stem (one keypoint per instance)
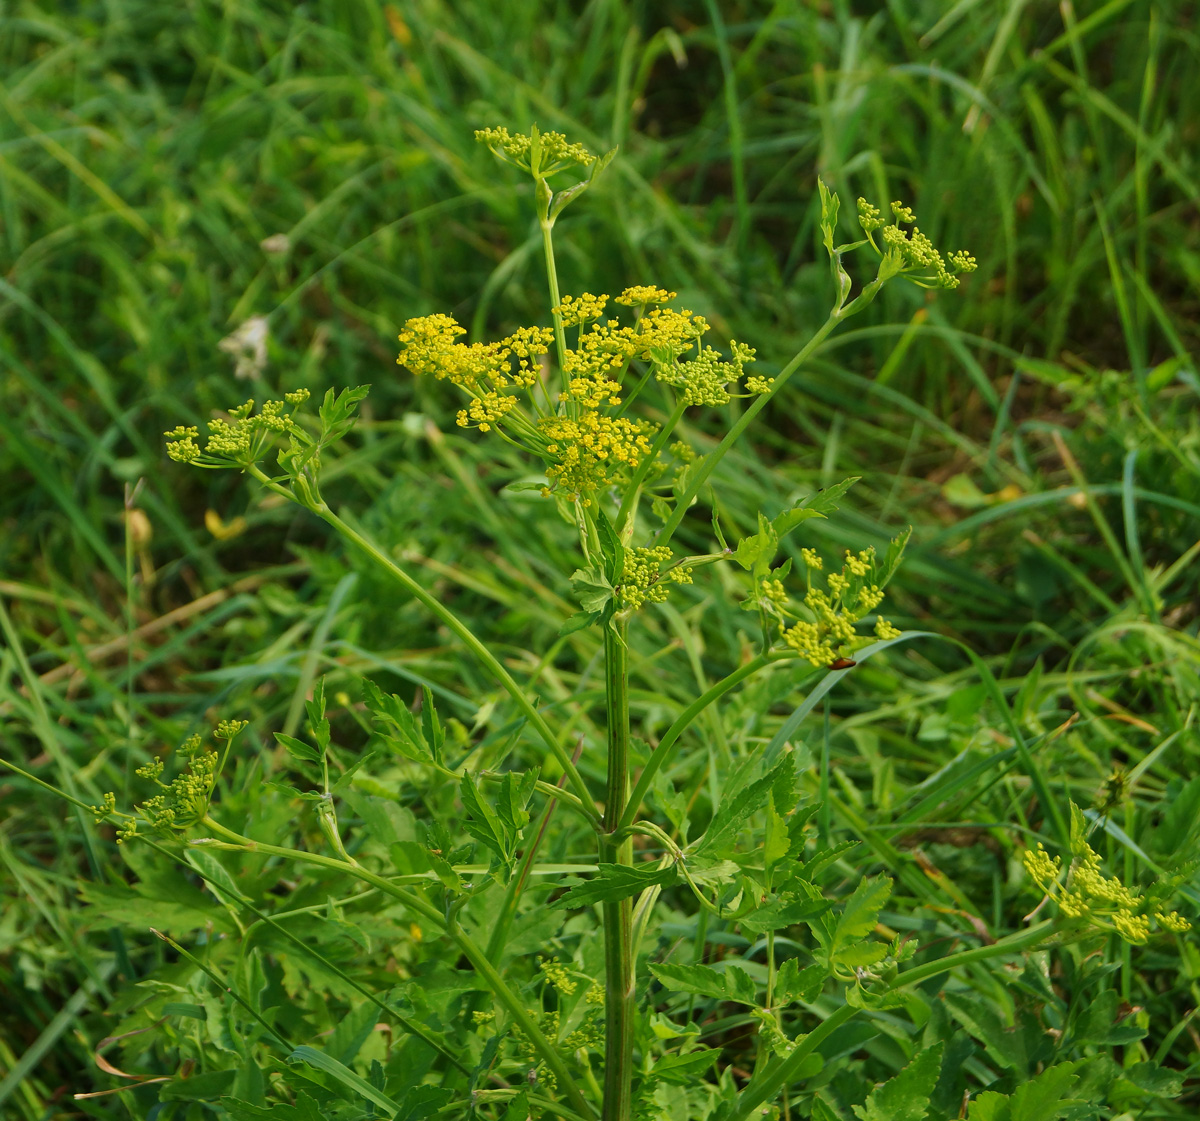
(618, 915)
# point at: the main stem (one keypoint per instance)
(618, 916)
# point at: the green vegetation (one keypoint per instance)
(938, 873)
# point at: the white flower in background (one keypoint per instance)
(276, 243)
(248, 345)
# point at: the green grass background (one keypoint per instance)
(1040, 427)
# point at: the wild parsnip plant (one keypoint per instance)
(596, 402)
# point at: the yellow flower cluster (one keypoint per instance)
(575, 310)
(186, 798)
(559, 976)
(557, 152)
(641, 294)
(585, 446)
(702, 380)
(1092, 897)
(643, 579)
(914, 253)
(488, 372)
(240, 439)
(852, 594)
(590, 450)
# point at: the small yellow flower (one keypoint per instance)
(645, 294)
(884, 630)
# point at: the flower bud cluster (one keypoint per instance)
(581, 436)
(833, 611)
(913, 253)
(239, 440)
(1094, 899)
(644, 580)
(557, 152)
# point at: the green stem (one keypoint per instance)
(438, 609)
(618, 914)
(706, 466)
(764, 1087)
(629, 501)
(560, 334)
(665, 749)
(467, 946)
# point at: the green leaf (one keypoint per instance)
(518, 1109)
(298, 749)
(581, 620)
(353, 1030)
(343, 1074)
(592, 589)
(1044, 1098)
(732, 815)
(886, 569)
(564, 198)
(756, 553)
(824, 859)
(617, 881)
(793, 983)
(830, 204)
(731, 983)
(861, 912)
(305, 1109)
(293, 792)
(1005, 1046)
(435, 737)
(776, 842)
(819, 505)
(989, 1106)
(1097, 1023)
(823, 1112)
(861, 954)
(599, 165)
(317, 722)
(347, 776)
(188, 1011)
(337, 413)
(683, 1070)
(392, 712)
(1154, 1079)
(702, 980)
(512, 800)
(786, 910)
(611, 549)
(425, 1101)
(906, 1096)
(483, 824)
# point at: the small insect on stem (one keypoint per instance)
(841, 663)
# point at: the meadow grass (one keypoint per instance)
(165, 174)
